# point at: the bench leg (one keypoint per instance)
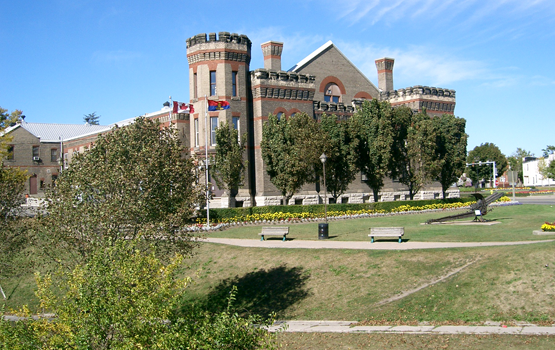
(262, 237)
(372, 241)
(284, 238)
(400, 240)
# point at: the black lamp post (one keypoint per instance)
(323, 228)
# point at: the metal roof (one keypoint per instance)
(54, 132)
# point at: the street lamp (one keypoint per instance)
(323, 228)
(323, 159)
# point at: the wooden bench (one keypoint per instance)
(386, 232)
(274, 231)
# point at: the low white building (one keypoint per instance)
(531, 172)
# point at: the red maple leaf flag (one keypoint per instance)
(182, 107)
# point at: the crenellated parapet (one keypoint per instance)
(224, 46)
(332, 108)
(268, 83)
(434, 100)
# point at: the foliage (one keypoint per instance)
(12, 185)
(291, 149)
(91, 118)
(450, 148)
(515, 161)
(134, 182)
(549, 170)
(414, 160)
(123, 298)
(229, 164)
(548, 150)
(483, 153)
(372, 130)
(341, 167)
(6, 120)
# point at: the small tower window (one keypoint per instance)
(332, 93)
(213, 83)
(233, 84)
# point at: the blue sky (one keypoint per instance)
(61, 59)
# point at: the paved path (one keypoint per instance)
(328, 244)
(345, 327)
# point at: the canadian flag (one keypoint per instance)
(182, 107)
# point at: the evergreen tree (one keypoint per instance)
(91, 118)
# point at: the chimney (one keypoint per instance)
(385, 73)
(272, 55)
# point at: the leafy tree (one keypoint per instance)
(341, 160)
(548, 150)
(124, 298)
(450, 148)
(135, 182)
(549, 171)
(291, 149)
(13, 230)
(483, 153)
(6, 120)
(516, 159)
(91, 118)
(414, 160)
(229, 163)
(373, 135)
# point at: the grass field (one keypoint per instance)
(507, 283)
(516, 224)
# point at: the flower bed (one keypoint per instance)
(284, 218)
(548, 227)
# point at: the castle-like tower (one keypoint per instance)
(219, 71)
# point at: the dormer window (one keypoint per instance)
(332, 93)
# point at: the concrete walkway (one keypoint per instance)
(327, 244)
(345, 327)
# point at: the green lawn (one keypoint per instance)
(500, 283)
(516, 223)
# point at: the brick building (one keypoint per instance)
(323, 82)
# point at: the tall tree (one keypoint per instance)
(341, 155)
(134, 183)
(13, 230)
(549, 149)
(414, 160)
(483, 153)
(229, 163)
(91, 118)
(450, 150)
(516, 159)
(549, 171)
(291, 148)
(372, 130)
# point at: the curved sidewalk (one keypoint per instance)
(327, 244)
(345, 327)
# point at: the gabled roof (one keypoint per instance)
(55, 132)
(320, 51)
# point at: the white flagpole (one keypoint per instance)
(206, 161)
(171, 109)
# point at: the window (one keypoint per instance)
(35, 152)
(332, 93)
(195, 94)
(292, 115)
(54, 155)
(196, 133)
(233, 84)
(237, 127)
(279, 115)
(212, 83)
(213, 126)
(10, 152)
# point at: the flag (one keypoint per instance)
(217, 105)
(182, 107)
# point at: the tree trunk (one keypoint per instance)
(376, 192)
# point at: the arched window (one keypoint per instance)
(279, 115)
(332, 93)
